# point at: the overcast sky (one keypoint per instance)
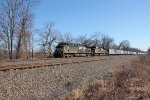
(120, 19)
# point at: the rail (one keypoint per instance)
(29, 66)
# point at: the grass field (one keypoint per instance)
(125, 83)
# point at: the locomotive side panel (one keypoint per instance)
(76, 50)
(70, 49)
(104, 52)
(100, 51)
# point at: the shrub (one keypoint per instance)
(132, 83)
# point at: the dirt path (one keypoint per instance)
(50, 82)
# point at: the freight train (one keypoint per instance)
(74, 50)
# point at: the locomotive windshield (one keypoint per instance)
(61, 44)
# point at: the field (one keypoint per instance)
(126, 83)
(104, 80)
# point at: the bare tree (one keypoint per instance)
(124, 45)
(148, 51)
(114, 46)
(32, 42)
(106, 41)
(8, 15)
(25, 21)
(81, 39)
(14, 15)
(66, 37)
(87, 40)
(49, 38)
(96, 39)
(3, 51)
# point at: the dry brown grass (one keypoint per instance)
(126, 83)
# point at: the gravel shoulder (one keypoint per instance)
(49, 83)
(48, 61)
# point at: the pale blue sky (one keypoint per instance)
(120, 19)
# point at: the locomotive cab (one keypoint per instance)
(59, 50)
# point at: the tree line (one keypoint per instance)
(18, 38)
(50, 37)
(16, 19)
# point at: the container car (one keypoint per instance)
(112, 52)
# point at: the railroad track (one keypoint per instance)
(29, 66)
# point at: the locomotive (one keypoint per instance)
(73, 50)
(76, 50)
